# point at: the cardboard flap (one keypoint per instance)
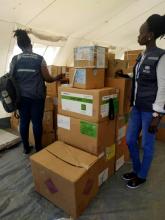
(71, 155)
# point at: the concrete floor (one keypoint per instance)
(19, 201)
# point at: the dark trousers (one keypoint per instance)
(31, 110)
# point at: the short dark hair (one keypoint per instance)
(156, 24)
(23, 39)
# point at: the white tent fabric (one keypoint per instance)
(110, 23)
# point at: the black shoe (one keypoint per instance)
(135, 183)
(129, 176)
(28, 150)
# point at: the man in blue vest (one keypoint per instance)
(148, 99)
(30, 72)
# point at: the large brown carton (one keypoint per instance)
(91, 56)
(122, 152)
(69, 177)
(14, 122)
(52, 89)
(124, 86)
(47, 138)
(90, 137)
(48, 104)
(66, 176)
(57, 70)
(54, 70)
(106, 164)
(131, 57)
(87, 78)
(47, 122)
(91, 105)
(115, 65)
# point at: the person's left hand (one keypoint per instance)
(154, 124)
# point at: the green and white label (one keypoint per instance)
(105, 104)
(89, 129)
(78, 103)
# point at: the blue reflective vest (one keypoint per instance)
(27, 72)
(147, 80)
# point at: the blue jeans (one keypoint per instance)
(31, 110)
(140, 121)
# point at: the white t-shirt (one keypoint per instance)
(159, 103)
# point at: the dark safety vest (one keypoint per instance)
(146, 80)
(27, 73)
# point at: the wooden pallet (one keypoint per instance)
(8, 139)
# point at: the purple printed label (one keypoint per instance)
(52, 188)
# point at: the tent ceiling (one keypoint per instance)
(105, 22)
(112, 22)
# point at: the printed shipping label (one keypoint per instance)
(110, 152)
(89, 129)
(105, 104)
(80, 76)
(119, 162)
(103, 176)
(78, 103)
(101, 57)
(63, 122)
(84, 53)
(121, 132)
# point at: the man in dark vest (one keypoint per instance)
(148, 99)
(30, 72)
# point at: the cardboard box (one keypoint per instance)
(91, 56)
(90, 105)
(131, 54)
(47, 138)
(52, 89)
(68, 177)
(47, 123)
(131, 57)
(124, 86)
(14, 122)
(48, 104)
(54, 70)
(161, 131)
(115, 65)
(122, 152)
(111, 56)
(90, 137)
(57, 70)
(87, 78)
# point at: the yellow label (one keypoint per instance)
(110, 152)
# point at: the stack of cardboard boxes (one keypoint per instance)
(131, 56)
(70, 171)
(124, 86)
